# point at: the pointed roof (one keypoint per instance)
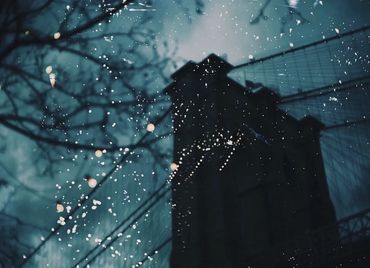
(212, 62)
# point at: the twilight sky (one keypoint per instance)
(224, 27)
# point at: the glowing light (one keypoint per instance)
(293, 3)
(61, 221)
(98, 153)
(92, 182)
(48, 69)
(53, 80)
(174, 166)
(59, 207)
(56, 35)
(150, 127)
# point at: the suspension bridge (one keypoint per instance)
(329, 80)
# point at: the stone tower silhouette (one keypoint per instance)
(249, 178)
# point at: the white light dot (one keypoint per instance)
(52, 78)
(174, 166)
(98, 153)
(56, 35)
(150, 127)
(59, 207)
(92, 182)
(61, 221)
(48, 69)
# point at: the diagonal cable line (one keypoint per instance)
(104, 179)
(153, 251)
(132, 214)
(322, 41)
(142, 213)
(148, 203)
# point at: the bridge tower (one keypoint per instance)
(249, 177)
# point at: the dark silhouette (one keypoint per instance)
(246, 211)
